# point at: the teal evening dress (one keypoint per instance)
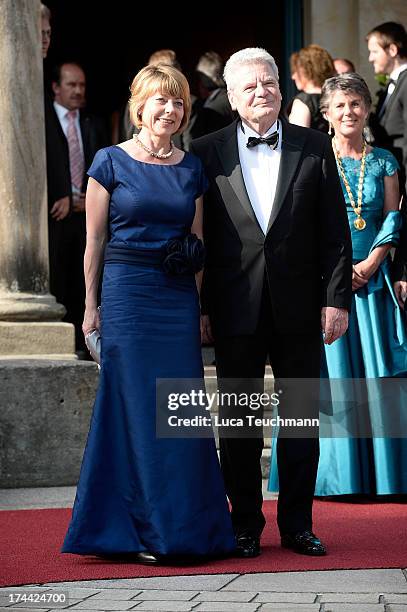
(375, 346)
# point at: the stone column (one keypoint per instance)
(29, 315)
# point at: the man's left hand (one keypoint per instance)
(78, 203)
(334, 323)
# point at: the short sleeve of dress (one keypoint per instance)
(202, 182)
(102, 171)
(389, 162)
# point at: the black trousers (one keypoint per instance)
(244, 357)
(67, 241)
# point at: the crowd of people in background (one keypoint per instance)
(332, 98)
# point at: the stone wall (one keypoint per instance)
(45, 410)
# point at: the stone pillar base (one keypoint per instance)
(37, 340)
(16, 306)
(44, 420)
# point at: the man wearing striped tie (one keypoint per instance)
(72, 137)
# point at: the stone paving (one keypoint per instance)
(328, 591)
(377, 590)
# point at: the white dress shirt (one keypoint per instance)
(62, 114)
(260, 166)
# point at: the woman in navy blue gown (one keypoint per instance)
(139, 493)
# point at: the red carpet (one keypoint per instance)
(358, 536)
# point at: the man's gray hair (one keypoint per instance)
(349, 83)
(251, 55)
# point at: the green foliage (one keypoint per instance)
(382, 79)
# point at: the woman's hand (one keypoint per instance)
(91, 320)
(363, 271)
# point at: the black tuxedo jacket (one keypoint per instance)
(389, 129)
(94, 137)
(306, 253)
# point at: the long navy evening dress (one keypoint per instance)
(139, 492)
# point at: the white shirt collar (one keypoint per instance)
(397, 71)
(62, 111)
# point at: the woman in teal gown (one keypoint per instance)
(375, 345)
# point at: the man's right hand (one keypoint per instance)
(60, 209)
(400, 289)
(78, 204)
(206, 331)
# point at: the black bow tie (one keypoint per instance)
(271, 141)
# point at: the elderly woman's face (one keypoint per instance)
(347, 113)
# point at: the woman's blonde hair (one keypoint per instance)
(163, 78)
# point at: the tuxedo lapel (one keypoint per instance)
(394, 95)
(381, 96)
(291, 151)
(229, 156)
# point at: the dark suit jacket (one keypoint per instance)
(390, 132)
(67, 238)
(390, 127)
(306, 253)
(94, 137)
(215, 114)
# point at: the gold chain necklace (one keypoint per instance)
(153, 153)
(359, 222)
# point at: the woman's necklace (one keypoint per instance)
(359, 222)
(153, 153)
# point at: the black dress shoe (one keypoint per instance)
(147, 558)
(247, 545)
(304, 542)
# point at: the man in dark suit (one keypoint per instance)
(72, 139)
(387, 44)
(212, 110)
(278, 267)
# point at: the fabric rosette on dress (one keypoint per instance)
(184, 256)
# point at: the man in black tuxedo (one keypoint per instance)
(72, 139)
(278, 267)
(387, 44)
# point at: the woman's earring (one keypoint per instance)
(329, 128)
